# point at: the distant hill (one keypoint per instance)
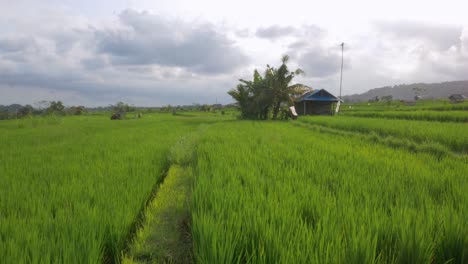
(407, 91)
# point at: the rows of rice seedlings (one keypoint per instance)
(442, 116)
(35, 121)
(276, 193)
(70, 193)
(447, 107)
(452, 135)
(433, 148)
(437, 105)
(426, 105)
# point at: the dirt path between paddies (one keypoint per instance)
(165, 236)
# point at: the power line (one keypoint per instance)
(341, 77)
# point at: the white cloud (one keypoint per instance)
(185, 53)
(151, 39)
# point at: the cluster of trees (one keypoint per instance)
(193, 107)
(122, 107)
(385, 98)
(264, 96)
(42, 108)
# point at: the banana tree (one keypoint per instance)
(281, 79)
(253, 97)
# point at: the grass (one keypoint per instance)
(452, 135)
(165, 232)
(165, 236)
(442, 116)
(421, 105)
(280, 196)
(338, 189)
(433, 148)
(71, 192)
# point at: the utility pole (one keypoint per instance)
(341, 78)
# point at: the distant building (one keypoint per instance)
(457, 98)
(319, 102)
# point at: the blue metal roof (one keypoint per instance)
(319, 95)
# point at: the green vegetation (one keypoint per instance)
(165, 233)
(452, 135)
(264, 95)
(442, 116)
(290, 195)
(205, 187)
(71, 193)
(165, 236)
(432, 105)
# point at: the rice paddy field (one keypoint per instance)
(320, 189)
(71, 189)
(442, 116)
(453, 135)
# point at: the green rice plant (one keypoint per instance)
(318, 190)
(270, 192)
(35, 121)
(442, 116)
(432, 105)
(53, 119)
(433, 148)
(72, 193)
(452, 135)
(164, 234)
(448, 107)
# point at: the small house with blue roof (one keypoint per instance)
(319, 102)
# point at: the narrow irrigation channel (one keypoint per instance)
(111, 255)
(162, 231)
(165, 235)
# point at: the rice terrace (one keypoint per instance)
(187, 135)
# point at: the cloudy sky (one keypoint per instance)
(159, 52)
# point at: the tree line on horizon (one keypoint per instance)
(43, 108)
(46, 108)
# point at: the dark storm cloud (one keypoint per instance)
(274, 32)
(441, 36)
(149, 39)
